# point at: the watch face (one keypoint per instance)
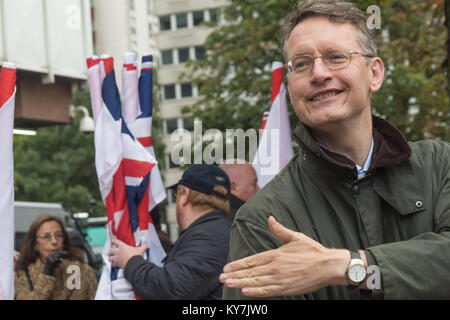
(357, 273)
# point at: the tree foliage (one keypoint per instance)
(235, 76)
(57, 165)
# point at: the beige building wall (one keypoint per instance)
(175, 38)
(120, 26)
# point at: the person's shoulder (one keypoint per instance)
(210, 223)
(19, 273)
(273, 197)
(430, 145)
(74, 263)
(218, 222)
(430, 152)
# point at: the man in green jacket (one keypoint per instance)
(359, 212)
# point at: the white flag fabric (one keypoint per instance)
(7, 95)
(123, 168)
(275, 144)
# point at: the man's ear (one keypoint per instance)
(376, 74)
(232, 186)
(184, 196)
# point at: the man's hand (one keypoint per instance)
(120, 253)
(300, 266)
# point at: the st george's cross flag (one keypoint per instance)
(123, 168)
(137, 112)
(7, 95)
(275, 143)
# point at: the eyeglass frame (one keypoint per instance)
(49, 236)
(174, 193)
(290, 69)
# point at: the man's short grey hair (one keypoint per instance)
(335, 11)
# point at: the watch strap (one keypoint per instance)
(354, 255)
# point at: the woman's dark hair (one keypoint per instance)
(28, 254)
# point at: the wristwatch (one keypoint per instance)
(356, 271)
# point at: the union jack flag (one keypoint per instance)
(137, 113)
(7, 95)
(124, 171)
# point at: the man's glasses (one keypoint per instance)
(59, 236)
(334, 59)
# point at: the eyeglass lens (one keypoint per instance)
(48, 236)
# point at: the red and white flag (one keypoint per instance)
(7, 95)
(123, 168)
(275, 144)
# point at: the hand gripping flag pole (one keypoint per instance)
(123, 168)
(275, 145)
(7, 95)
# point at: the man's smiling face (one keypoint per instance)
(323, 96)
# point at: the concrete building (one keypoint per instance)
(180, 38)
(120, 26)
(48, 41)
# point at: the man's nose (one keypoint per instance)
(320, 72)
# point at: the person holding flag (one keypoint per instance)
(124, 170)
(192, 267)
(7, 95)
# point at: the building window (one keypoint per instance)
(186, 90)
(188, 124)
(169, 91)
(200, 53)
(164, 23)
(167, 57)
(181, 20)
(214, 15)
(198, 17)
(132, 5)
(183, 55)
(171, 125)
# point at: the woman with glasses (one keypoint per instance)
(49, 267)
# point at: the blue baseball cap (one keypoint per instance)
(203, 178)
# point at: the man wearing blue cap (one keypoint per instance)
(193, 265)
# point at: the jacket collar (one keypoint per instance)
(235, 202)
(211, 215)
(390, 154)
(390, 148)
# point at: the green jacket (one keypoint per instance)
(399, 213)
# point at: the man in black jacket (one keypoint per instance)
(193, 265)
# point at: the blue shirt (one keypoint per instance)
(362, 171)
